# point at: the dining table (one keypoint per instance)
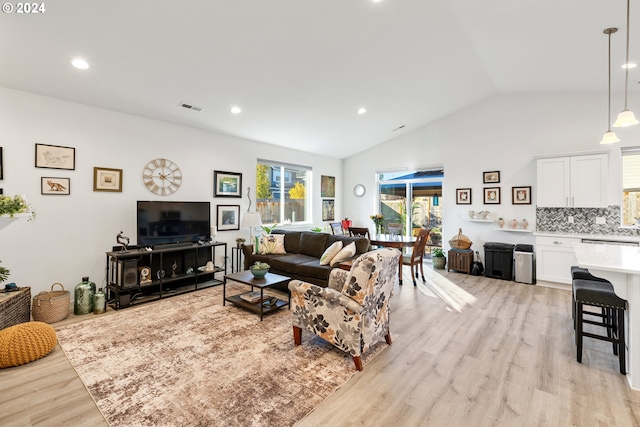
(397, 241)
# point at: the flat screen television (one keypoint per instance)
(162, 222)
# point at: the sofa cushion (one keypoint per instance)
(313, 244)
(272, 244)
(290, 262)
(331, 252)
(314, 269)
(346, 253)
(268, 258)
(291, 240)
(362, 243)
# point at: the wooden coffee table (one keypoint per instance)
(246, 278)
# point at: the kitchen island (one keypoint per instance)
(621, 266)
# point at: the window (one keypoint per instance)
(630, 185)
(282, 192)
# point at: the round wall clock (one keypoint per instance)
(162, 176)
(359, 190)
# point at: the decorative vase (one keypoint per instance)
(259, 272)
(83, 297)
(439, 262)
(501, 223)
(525, 224)
(472, 214)
(514, 224)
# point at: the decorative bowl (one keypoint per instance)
(259, 272)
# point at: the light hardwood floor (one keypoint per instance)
(467, 351)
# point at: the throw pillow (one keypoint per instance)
(330, 252)
(272, 244)
(346, 253)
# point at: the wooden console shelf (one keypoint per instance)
(173, 270)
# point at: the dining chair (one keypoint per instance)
(359, 232)
(336, 228)
(417, 254)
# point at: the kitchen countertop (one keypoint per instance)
(609, 237)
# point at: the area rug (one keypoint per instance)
(189, 361)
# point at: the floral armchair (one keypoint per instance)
(352, 313)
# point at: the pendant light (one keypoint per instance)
(626, 117)
(609, 136)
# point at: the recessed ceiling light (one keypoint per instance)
(630, 65)
(235, 110)
(362, 110)
(80, 63)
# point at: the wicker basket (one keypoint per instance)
(15, 307)
(50, 307)
(460, 241)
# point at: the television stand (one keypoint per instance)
(139, 275)
(172, 245)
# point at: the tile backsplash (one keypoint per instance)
(584, 221)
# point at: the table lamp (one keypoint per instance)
(251, 220)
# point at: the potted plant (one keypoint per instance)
(12, 206)
(259, 269)
(435, 235)
(4, 273)
(438, 259)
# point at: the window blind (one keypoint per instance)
(631, 169)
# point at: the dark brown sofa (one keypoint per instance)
(302, 258)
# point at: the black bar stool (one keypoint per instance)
(583, 273)
(597, 293)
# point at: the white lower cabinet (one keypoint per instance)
(554, 258)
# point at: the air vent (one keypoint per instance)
(190, 107)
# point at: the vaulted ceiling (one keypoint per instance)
(301, 69)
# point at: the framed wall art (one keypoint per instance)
(492, 196)
(463, 196)
(328, 208)
(492, 177)
(1, 165)
(55, 186)
(228, 217)
(107, 179)
(227, 184)
(327, 186)
(521, 195)
(55, 157)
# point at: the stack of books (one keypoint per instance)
(252, 297)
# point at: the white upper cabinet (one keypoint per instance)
(573, 181)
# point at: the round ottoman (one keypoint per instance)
(25, 342)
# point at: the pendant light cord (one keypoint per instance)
(626, 75)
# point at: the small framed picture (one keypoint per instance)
(55, 186)
(521, 195)
(55, 157)
(227, 184)
(228, 217)
(1, 165)
(492, 196)
(327, 186)
(328, 206)
(107, 179)
(491, 177)
(463, 196)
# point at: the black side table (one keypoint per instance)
(236, 259)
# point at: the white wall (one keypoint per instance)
(71, 234)
(502, 133)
